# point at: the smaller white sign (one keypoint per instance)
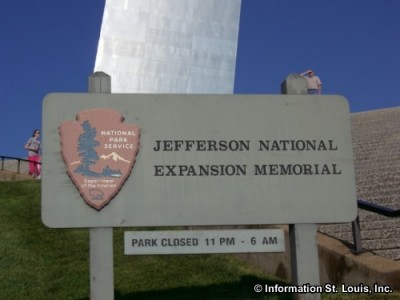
(204, 241)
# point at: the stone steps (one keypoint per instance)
(392, 253)
(376, 145)
(383, 241)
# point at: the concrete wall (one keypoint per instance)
(11, 176)
(337, 264)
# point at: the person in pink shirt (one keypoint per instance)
(33, 147)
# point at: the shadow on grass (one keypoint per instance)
(240, 290)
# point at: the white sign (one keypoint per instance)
(202, 160)
(204, 241)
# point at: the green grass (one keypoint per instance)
(37, 262)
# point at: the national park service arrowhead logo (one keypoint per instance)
(99, 152)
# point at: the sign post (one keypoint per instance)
(304, 257)
(304, 260)
(101, 238)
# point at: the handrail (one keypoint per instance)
(379, 209)
(372, 207)
(18, 160)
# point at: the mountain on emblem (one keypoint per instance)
(99, 152)
(114, 156)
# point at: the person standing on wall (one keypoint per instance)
(33, 147)
(314, 84)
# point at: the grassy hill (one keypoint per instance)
(41, 263)
(37, 262)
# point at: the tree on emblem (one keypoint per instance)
(86, 149)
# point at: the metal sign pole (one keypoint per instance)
(304, 258)
(101, 239)
(303, 244)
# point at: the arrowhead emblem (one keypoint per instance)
(99, 152)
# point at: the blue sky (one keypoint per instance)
(354, 46)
